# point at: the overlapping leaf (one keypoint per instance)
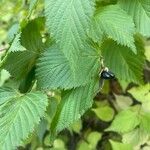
(120, 146)
(73, 104)
(32, 5)
(14, 29)
(55, 71)
(125, 121)
(135, 137)
(141, 93)
(20, 63)
(68, 22)
(145, 119)
(115, 23)
(140, 11)
(123, 62)
(18, 117)
(16, 45)
(6, 93)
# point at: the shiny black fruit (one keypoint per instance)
(107, 75)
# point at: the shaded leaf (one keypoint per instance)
(20, 63)
(16, 45)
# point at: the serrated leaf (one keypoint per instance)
(123, 62)
(6, 94)
(105, 113)
(124, 121)
(140, 11)
(141, 93)
(16, 45)
(115, 23)
(55, 71)
(120, 146)
(31, 37)
(73, 104)
(32, 4)
(21, 62)
(19, 117)
(68, 22)
(4, 76)
(12, 31)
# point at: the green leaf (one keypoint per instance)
(124, 121)
(140, 11)
(32, 5)
(146, 106)
(147, 52)
(145, 119)
(4, 76)
(123, 102)
(120, 146)
(16, 45)
(93, 139)
(19, 117)
(55, 71)
(12, 31)
(31, 37)
(68, 22)
(90, 142)
(135, 137)
(77, 126)
(73, 104)
(123, 62)
(115, 23)
(21, 62)
(82, 145)
(6, 94)
(59, 144)
(141, 93)
(105, 113)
